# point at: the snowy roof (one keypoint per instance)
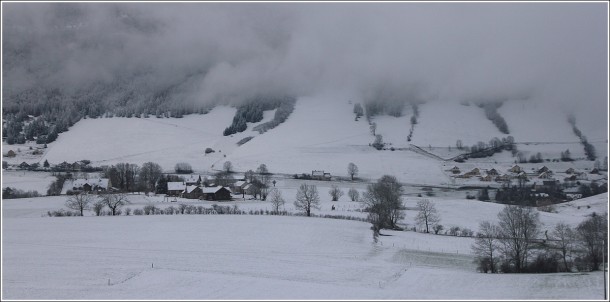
(246, 187)
(211, 189)
(190, 189)
(240, 183)
(175, 185)
(70, 184)
(191, 178)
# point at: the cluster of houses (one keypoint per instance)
(546, 179)
(193, 188)
(86, 185)
(516, 172)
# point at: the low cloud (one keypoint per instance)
(552, 52)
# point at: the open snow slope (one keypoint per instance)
(442, 123)
(251, 257)
(545, 128)
(321, 134)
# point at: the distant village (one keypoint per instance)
(542, 184)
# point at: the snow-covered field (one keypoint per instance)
(261, 257)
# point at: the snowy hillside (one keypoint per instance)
(321, 134)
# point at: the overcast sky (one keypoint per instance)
(556, 52)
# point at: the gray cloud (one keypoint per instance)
(555, 52)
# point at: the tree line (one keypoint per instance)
(516, 244)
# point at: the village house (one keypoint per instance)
(493, 172)
(175, 188)
(543, 169)
(515, 169)
(216, 193)
(581, 176)
(570, 171)
(546, 175)
(473, 172)
(192, 180)
(320, 175)
(455, 170)
(502, 178)
(573, 193)
(96, 185)
(238, 187)
(193, 192)
(486, 178)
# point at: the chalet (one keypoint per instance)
(502, 178)
(573, 193)
(175, 188)
(216, 193)
(238, 187)
(515, 169)
(486, 178)
(193, 180)
(493, 172)
(11, 153)
(545, 175)
(24, 166)
(320, 175)
(570, 171)
(248, 189)
(570, 178)
(193, 192)
(551, 183)
(96, 185)
(543, 169)
(455, 170)
(473, 172)
(522, 175)
(581, 176)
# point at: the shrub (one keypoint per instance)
(138, 212)
(453, 231)
(149, 210)
(209, 150)
(466, 232)
(127, 211)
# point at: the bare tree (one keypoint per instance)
(518, 226)
(249, 175)
(114, 201)
(227, 167)
(459, 145)
(564, 237)
(223, 178)
(183, 168)
(98, 206)
(79, 202)
(276, 199)
(265, 180)
(352, 170)
(149, 174)
(335, 192)
(427, 214)
(593, 234)
(383, 201)
(378, 143)
(373, 128)
(307, 198)
(353, 194)
(486, 246)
